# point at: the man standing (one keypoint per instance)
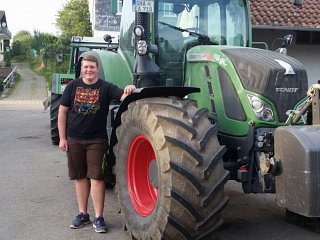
(82, 122)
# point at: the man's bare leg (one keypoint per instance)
(98, 196)
(82, 192)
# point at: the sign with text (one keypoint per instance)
(143, 6)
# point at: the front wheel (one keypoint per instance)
(169, 170)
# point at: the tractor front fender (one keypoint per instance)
(146, 92)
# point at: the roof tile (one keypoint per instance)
(283, 13)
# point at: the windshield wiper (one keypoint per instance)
(185, 30)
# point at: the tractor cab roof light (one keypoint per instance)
(76, 39)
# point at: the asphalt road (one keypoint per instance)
(37, 200)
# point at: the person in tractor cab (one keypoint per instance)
(82, 129)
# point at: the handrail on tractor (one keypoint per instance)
(9, 79)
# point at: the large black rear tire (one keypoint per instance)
(169, 171)
(54, 108)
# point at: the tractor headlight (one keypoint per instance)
(257, 105)
(267, 114)
(142, 47)
(261, 109)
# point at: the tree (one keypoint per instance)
(46, 44)
(16, 49)
(42, 40)
(21, 44)
(74, 19)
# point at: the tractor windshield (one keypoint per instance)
(225, 22)
(182, 24)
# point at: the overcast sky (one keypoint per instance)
(32, 14)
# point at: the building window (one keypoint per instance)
(167, 9)
(119, 6)
(116, 6)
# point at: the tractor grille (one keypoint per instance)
(270, 74)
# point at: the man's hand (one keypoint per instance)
(63, 145)
(62, 126)
(127, 91)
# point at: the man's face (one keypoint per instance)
(89, 70)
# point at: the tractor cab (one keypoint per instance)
(180, 25)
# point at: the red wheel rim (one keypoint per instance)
(142, 194)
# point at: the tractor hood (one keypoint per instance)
(280, 78)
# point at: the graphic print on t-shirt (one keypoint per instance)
(86, 101)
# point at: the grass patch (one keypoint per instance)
(46, 69)
(43, 68)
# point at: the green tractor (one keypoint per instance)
(172, 149)
(78, 45)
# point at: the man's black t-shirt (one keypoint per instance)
(88, 107)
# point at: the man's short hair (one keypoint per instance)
(90, 58)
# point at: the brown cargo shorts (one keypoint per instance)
(85, 158)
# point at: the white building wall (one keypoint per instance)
(102, 24)
(309, 56)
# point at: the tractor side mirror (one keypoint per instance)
(107, 38)
(287, 40)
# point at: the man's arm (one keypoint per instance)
(62, 127)
(127, 91)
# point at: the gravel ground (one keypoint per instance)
(29, 89)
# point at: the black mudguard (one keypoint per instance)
(298, 186)
(141, 93)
